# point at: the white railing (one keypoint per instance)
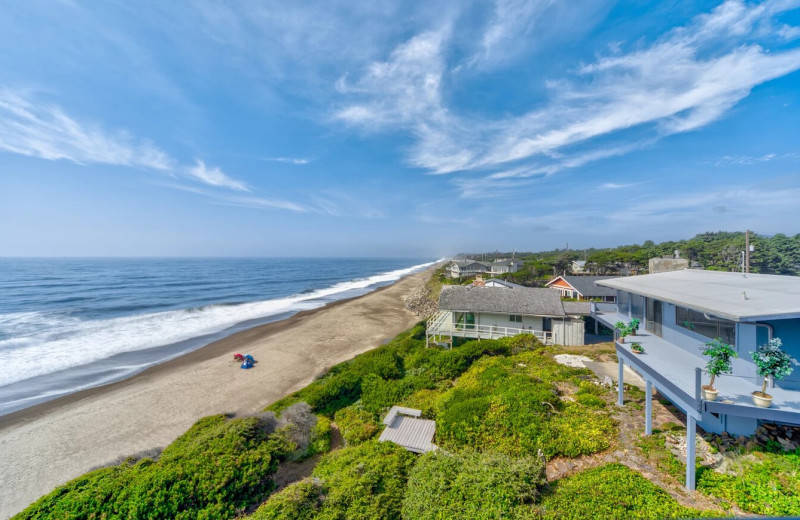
(441, 325)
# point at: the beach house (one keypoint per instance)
(583, 287)
(682, 310)
(495, 312)
(466, 268)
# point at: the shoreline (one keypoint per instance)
(50, 443)
(200, 354)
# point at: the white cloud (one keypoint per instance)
(617, 185)
(291, 160)
(36, 129)
(687, 79)
(214, 177)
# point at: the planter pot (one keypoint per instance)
(637, 351)
(762, 400)
(710, 394)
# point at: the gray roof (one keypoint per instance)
(464, 263)
(504, 262)
(577, 308)
(586, 285)
(403, 428)
(733, 296)
(523, 300)
(508, 284)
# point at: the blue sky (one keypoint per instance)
(393, 128)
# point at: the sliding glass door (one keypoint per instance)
(654, 316)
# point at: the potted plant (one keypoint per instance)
(637, 348)
(623, 331)
(772, 362)
(633, 327)
(720, 355)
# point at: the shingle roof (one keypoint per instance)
(577, 308)
(734, 296)
(464, 263)
(587, 287)
(524, 300)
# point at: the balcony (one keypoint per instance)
(679, 374)
(442, 324)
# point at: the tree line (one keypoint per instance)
(718, 251)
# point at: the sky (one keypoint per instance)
(397, 128)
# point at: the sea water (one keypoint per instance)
(70, 324)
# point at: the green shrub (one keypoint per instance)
(365, 481)
(299, 501)
(764, 483)
(320, 437)
(612, 491)
(472, 485)
(356, 425)
(511, 405)
(219, 466)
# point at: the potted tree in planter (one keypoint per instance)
(772, 362)
(633, 327)
(720, 355)
(637, 348)
(624, 330)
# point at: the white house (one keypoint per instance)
(495, 312)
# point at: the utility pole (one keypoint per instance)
(747, 251)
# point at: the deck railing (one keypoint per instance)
(441, 325)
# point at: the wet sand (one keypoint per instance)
(49, 444)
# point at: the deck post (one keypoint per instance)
(691, 439)
(698, 374)
(620, 378)
(648, 407)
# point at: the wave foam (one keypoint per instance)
(63, 341)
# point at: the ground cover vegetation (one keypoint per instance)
(757, 479)
(216, 469)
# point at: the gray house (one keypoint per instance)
(682, 310)
(496, 312)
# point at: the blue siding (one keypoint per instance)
(789, 332)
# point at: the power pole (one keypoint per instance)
(747, 251)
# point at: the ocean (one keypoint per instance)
(69, 324)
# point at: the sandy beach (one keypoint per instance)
(47, 445)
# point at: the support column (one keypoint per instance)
(620, 381)
(691, 439)
(648, 407)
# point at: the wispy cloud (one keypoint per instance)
(290, 160)
(747, 160)
(31, 127)
(37, 129)
(214, 177)
(684, 80)
(244, 201)
(617, 185)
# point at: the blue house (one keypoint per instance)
(679, 312)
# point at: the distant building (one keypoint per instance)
(497, 282)
(468, 267)
(578, 266)
(668, 263)
(496, 312)
(583, 288)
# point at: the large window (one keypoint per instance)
(622, 303)
(515, 318)
(637, 306)
(710, 327)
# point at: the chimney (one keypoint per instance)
(479, 281)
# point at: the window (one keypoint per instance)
(547, 324)
(623, 302)
(637, 306)
(710, 327)
(515, 318)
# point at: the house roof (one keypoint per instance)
(586, 285)
(504, 262)
(505, 283)
(465, 263)
(404, 428)
(577, 308)
(523, 300)
(732, 296)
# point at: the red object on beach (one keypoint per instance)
(238, 357)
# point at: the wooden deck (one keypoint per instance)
(674, 369)
(441, 324)
(405, 428)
